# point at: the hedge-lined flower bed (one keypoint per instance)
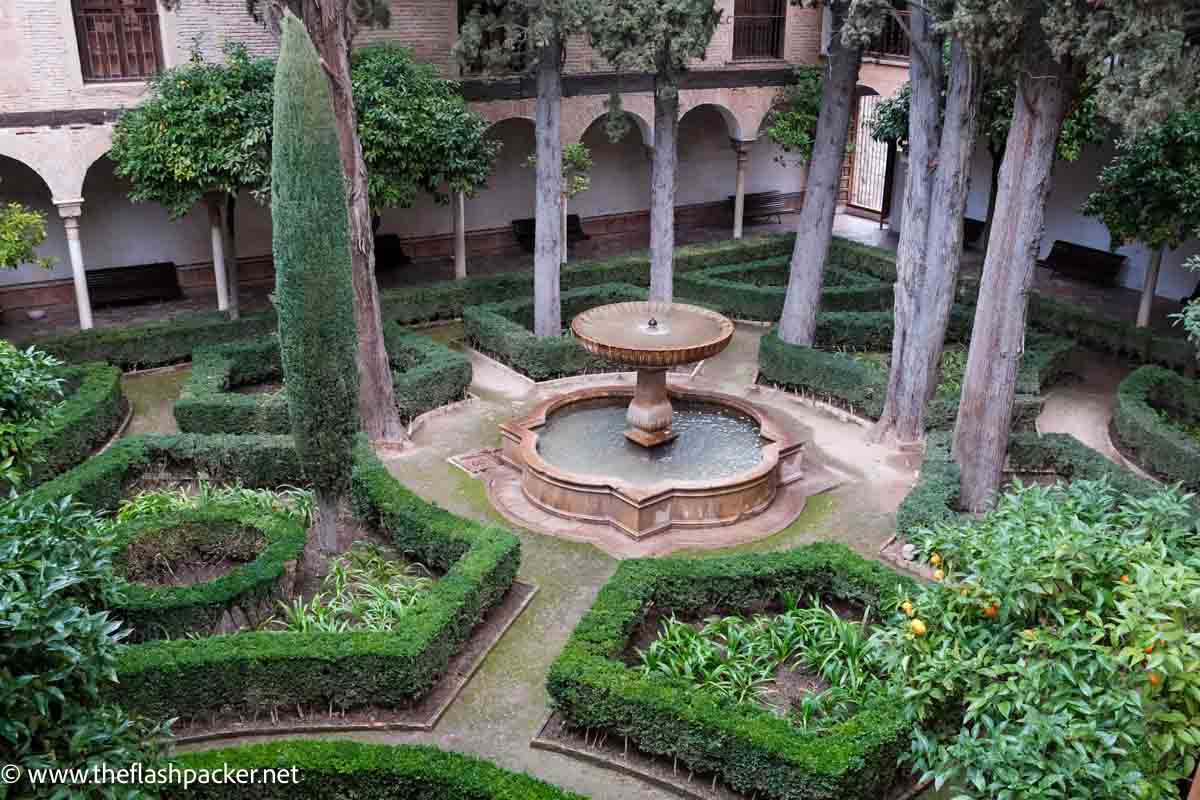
(934, 499)
(505, 331)
(257, 670)
(340, 769)
(173, 341)
(862, 387)
(425, 375)
(88, 415)
(172, 612)
(749, 748)
(1152, 405)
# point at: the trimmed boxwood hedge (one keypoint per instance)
(750, 749)
(827, 372)
(425, 375)
(1141, 399)
(341, 769)
(935, 497)
(88, 415)
(172, 341)
(257, 670)
(171, 612)
(505, 331)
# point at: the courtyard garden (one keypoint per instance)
(718, 521)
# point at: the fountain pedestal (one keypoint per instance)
(650, 412)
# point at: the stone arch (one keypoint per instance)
(581, 112)
(732, 124)
(22, 166)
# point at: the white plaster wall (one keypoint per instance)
(1072, 182)
(620, 174)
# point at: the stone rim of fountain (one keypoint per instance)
(650, 356)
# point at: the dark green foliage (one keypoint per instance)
(934, 499)
(59, 651)
(88, 415)
(172, 612)
(792, 123)
(255, 670)
(98, 483)
(848, 381)
(748, 748)
(311, 243)
(426, 375)
(505, 330)
(1143, 400)
(341, 769)
(31, 387)
(21, 231)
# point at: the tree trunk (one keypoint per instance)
(232, 273)
(798, 325)
(331, 27)
(564, 241)
(1044, 93)
(993, 188)
(323, 540)
(1149, 285)
(928, 268)
(662, 194)
(547, 249)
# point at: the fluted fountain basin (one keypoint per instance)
(652, 337)
(727, 464)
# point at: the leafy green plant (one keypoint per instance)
(30, 387)
(368, 588)
(59, 653)
(793, 120)
(159, 502)
(1189, 318)
(737, 658)
(21, 231)
(1057, 655)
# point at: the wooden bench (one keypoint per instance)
(525, 231)
(972, 230)
(140, 283)
(1084, 263)
(763, 205)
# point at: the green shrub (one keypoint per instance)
(339, 769)
(30, 387)
(59, 652)
(1063, 636)
(172, 612)
(750, 749)
(505, 330)
(426, 375)
(1148, 403)
(256, 670)
(88, 415)
(934, 498)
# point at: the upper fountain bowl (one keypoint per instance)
(652, 335)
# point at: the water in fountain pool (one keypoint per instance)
(713, 442)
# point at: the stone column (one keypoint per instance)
(742, 150)
(458, 218)
(70, 211)
(216, 230)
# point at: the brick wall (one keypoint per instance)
(428, 27)
(206, 25)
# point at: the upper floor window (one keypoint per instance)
(892, 41)
(119, 40)
(758, 27)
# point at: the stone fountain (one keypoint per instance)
(660, 455)
(652, 338)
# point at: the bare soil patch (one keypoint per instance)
(190, 554)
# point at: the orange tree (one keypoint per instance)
(1059, 654)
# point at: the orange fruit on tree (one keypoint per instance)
(917, 627)
(937, 576)
(935, 559)
(1149, 648)
(1155, 679)
(1124, 579)
(1029, 633)
(992, 611)
(907, 608)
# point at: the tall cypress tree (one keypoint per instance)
(313, 267)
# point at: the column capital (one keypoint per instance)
(741, 146)
(69, 209)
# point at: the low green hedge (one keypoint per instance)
(172, 341)
(828, 372)
(425, 375)
(100, 482)
(257, 670)
(88, 415)
(172, 612)
(750, 749)
(1142, 398)
(343, 769)
(505, 331)
(935, 497)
